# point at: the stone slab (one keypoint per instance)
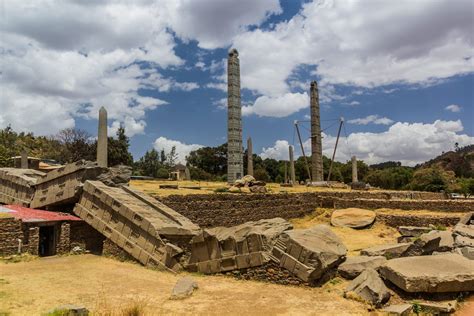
(353, 266)
(431, 274)
(353, 218)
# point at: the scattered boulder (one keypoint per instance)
(437, 308)
(258, 189)
(426, 244)
(388, 251)
(432, 274)
(463, 234)
(353, 218)
(353, 266)
(234, 189)
(183, 288)
(116, 176)
(369, 287)
(413, 231)
(70, 310)
(248, 179)
(467, 252)
(398, 310)
(309, 253)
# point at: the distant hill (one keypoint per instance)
(461, 161)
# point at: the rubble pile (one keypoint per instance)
(248, 184)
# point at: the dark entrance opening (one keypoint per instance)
(47, 241)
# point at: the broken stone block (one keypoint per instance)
(369, 287)
(437, 308)
(467, 252)
(388, 251)
(461, 241)
(413, 231)
(353, 218)
(136, 223)
(309, 253)
(464, 230)
(116, 176)
(184, 288)
(398, 310)
(353, 266)
(258, 189)
(433, 274)
(17, 186)
(426, 244)
(467, 219)
(223, 249)
(70, 310)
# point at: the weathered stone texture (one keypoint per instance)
(102, 139)
(309, 254)
(316, 141)
(10, 232)
(369, 287)
(353, 218)
(353, 266)
(235, 165)
(434, 274)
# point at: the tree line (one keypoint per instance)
(210, 163)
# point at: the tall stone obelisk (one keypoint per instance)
(249, 157)
(316, 144)
(102, 139)
(292, 166)
(354, 170)
(235, 164)
(24, 159)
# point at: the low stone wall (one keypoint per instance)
(210, 210)
(431, 205)
(10, 232)
(396, 220)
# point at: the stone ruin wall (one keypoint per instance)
(10, 232)
(211, 210)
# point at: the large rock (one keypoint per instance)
(438, 308)
(398, 310)
(309, 253)
(433, 274)
(116, 176)
(413, 231)
(426, 244)
(353, 266)
(183, 288)
(352, 217)
(388, 251)
(69, 310)
(369, 287)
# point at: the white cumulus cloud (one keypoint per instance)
(453, 108)
(409, 143)
(277, 106)
(182, 149)
(371, 119)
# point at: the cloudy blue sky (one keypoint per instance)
(401, 73)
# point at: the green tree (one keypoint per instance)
(432, 179)
(118, 149)
(212, 160)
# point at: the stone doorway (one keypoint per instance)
(47, 241)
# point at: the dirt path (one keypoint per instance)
(102, 284)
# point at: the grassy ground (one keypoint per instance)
(107, 286)
(153, 187)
